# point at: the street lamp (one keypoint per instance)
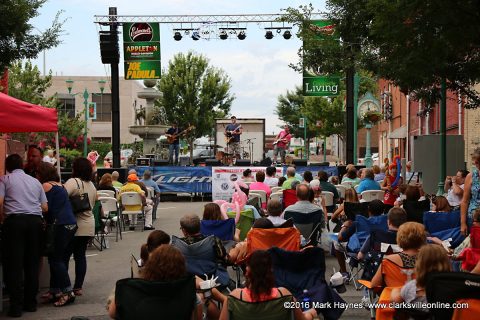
(69, 84)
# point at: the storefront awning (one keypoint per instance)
(399, 133)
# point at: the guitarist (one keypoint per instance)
(282, 141)
(173, 132)
(232, 134)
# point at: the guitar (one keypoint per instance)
(171, 138)
(229, 134)
(282, 139)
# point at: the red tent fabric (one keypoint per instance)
(20, 116)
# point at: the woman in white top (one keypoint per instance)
(81, 183)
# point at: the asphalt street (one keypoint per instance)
(112, 264)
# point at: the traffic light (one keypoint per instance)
(109, 49)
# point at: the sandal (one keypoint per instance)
(65, 299)
(78, 292)
(48, 297)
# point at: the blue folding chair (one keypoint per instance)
(222, 229)
(444, 225)
(364, 227)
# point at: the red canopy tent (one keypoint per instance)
(20, 116)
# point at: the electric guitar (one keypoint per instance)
(171, 138)
(229, 135)
(283, 139)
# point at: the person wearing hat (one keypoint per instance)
(131, 186)
(232, 134)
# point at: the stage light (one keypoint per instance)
(287, 35)
(241, 35)
(269, 35)
(223, 35)
(177, 36)
(195, 35)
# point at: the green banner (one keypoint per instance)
(323, 28)
(321, 86)
(141, 49)
(135, 70)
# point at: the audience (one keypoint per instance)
(415, 204)
(274, 211)
(440, 204)
(330, 187)
(391, 192)
(261, 185)
(148, 181)
(307, 177)
(350, 196)
(212, 211)
(106, 183)
(281, 180)
(351, 176)
(368, 182)
(260, 287)
(290, 178)
(247, 176)
(303, 204)
(79, 183)
(471, 194)
(379, 174)
(115, 182)
(131, 186)
(454, 188)
(155, 239)
(271, 180)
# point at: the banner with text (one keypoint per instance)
(320, 86)
(223, 179)
(181, 179)
(141, 49)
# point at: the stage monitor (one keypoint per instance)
(143, 162)
(242, 163)
(160, 163)
(300, 162)
(213, 163)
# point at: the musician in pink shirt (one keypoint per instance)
(281, 143)
(261, 185)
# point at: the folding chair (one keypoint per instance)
(255, 199)
(451, 287)
(381, 243)
(222, 229)
(270, 309)
(347, 184)
(263, 239)
(133, 199)
(100, 193)
(144, 300)
(263, 196)
(110, 193)
(276, 189)
(328, 196)
(341, 190)
(394, 276)
(99, 239)
(245, 222)
(276, 195)
(201, 259)
(444, 225)
(289, 198)
(307, 224)
(370, 195)
(111, 212)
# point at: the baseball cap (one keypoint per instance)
(132, 177)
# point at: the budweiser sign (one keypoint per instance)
(141, 32)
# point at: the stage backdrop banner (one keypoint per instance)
(223, 179)
(180, 179)
(331, 171)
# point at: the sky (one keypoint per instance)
(258, 68)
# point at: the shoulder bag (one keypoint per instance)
(80, 202)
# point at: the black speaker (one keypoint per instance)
(109, 49)
(212, 162)
(143, 162)
(160, 163)
(267, 162)
(242, 163)
(300, 162)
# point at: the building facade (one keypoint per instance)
(100, 129)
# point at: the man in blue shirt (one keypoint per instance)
(22, 201)
(174, 140)
(147, 181)
(232, 137)
(368, 182)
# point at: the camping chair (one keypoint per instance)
(415, 209)
(305, 270)
(444, 225)
(451, 287)
(394, 276)
(201, 259)
(245, 222)
(264, 239)
(381, 243)
(370, 195)
(341, 190)
(144, 300)
(132, 199)
(111, 211)
(289, 198)
(99, 239)
(307, 224)
(265, 310)
(222, 229)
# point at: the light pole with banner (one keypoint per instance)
(302, 123)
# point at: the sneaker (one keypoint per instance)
(149, 228)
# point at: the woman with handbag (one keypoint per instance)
(83, 194)
(60, 229)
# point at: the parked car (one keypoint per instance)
(125, 154)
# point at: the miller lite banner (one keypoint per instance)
(141, 50)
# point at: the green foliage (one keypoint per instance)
(194, 93)
(25, 83)
(70, 155)
(18, 39)
(101, 147)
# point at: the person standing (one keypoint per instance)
(282, 143)
(22, 201)
(471, 194)
(232, 134)
(34, 158)
(81, 183)
(174, 140)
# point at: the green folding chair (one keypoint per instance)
(245, 222)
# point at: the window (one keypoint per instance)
(104, 106)
(66, 105)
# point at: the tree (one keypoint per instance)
(194, 93)
(17, 37)
(25, 83)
